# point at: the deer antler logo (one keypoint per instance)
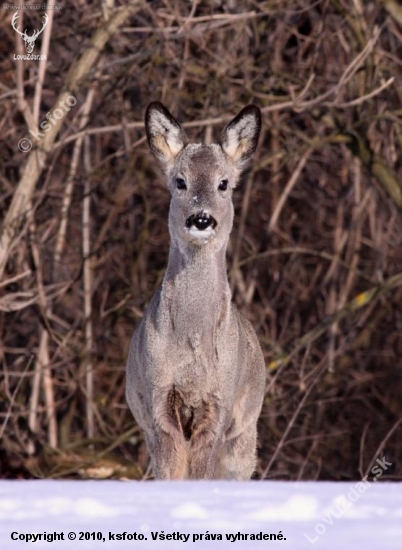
(29, 40)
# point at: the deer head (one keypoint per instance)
(201, 177)
(28, 40)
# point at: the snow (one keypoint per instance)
(322, 515)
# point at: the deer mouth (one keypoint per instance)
(201, 225)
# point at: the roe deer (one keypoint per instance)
(195, 371)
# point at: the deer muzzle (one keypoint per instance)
(201, 225)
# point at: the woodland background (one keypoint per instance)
(315, 258)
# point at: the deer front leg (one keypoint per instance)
(238, 456)
(205, 442)
(169, 453)
(169, 457)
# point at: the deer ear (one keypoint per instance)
(239, 139)
(166, 137)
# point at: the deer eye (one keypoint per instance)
(223, 185)
(180, 183)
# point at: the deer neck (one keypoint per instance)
(196, 288)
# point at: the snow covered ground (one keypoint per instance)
(342, 516)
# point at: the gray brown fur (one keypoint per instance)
(195, 371)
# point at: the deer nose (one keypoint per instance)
(202, 221)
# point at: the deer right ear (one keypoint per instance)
(166, 137)
(240, 138)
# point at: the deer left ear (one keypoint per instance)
(165, 135)
(239, 139)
